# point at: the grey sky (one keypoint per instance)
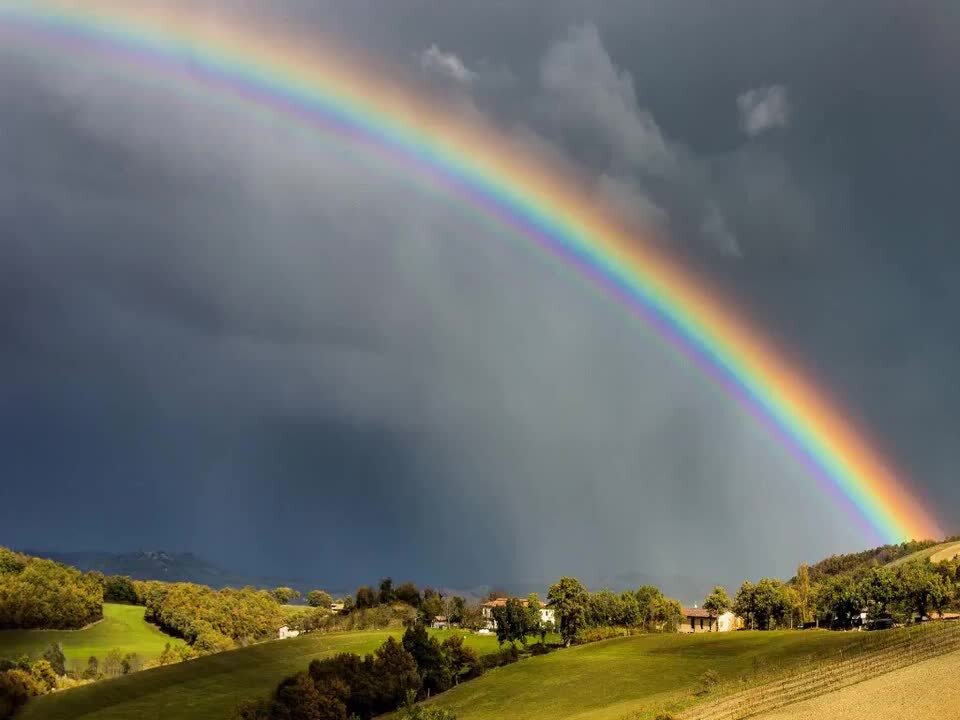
(227, 336)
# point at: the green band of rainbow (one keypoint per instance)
(330, 91)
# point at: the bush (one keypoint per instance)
(16, 687)
(506, 656)
(604, 632)
(707, 682)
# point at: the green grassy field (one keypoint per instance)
(628, 677)
(937, 553)
(209, 687)
(122, 627)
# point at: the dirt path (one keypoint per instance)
(930, 689)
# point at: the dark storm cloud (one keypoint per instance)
(224, 335)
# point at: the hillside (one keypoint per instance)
(937, 553)
(860, 562)
(207, 688)
(628, 677)
(122, 628)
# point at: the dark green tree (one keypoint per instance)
(568, 597)
(433, 664)
(717, 603)
(284, 595)
(58, 661)
(319, 598)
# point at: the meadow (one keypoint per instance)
(633, 677)
(208, 688)
(122, 627)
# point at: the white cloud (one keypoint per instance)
(587, 91)
(434, 60)
(763, 109)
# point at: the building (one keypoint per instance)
(440, 622)
(696, 620)
(547, 614)
(336, 607)
(285, 632)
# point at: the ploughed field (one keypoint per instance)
(122, 627)
(207, 688)
(928, 689)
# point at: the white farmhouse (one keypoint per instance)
(547, 613)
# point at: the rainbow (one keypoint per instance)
(331, 91)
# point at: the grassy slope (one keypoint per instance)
(122, 627)
(627, 677)
(937, 553)
(208, 688)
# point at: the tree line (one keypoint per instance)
(37, 593)
(210, 620)
(887, 594)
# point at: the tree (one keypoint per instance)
(431, 605)
(284, 595)
(461, 658)
(512, 621)
(649, 600)
(366, 597)
(16, 687)
(533, 624)
(408, 593)
(386, 595)
(119, 589)
(92, 671)
(603, 608)
(113, 664)
(568, 597)
(805, 593)
(434, 666)
(840, 599)
(43, 673)
(319, 598)
(395, 673)
(717, 603)
(668, 614)
(168, 656)
(131, 663)
(456, 610)
(879, 592)
(58, 661)
(252, 709)
(297, 699)
(923, 589)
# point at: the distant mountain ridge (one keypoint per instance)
(161, 565)
(189, 567)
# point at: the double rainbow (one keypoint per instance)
(331, 91)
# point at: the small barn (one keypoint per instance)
(696, 620)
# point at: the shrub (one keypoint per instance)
(707, 682)
(16, 687)
(43, 673)
(603, 632)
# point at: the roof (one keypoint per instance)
(439, 618)
(500, 602)
(696, 613)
